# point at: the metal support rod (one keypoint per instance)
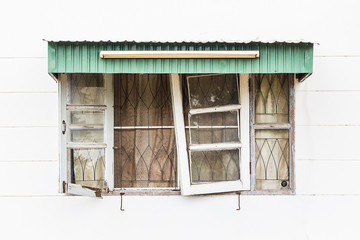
(121, 201)
(238, 193)
(172, 127)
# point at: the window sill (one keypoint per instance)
(143, 192)
(270, 192)
(169, 192)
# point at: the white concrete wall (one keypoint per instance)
(326, 205)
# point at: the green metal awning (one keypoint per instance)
(84, 57)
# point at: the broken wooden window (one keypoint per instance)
(83, 133)
(217, 132)
(273, 131)
(191, 132)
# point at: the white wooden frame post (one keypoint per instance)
(183, 166)
(245, 131)
(109, 131)
(183, 162)
(62, 137)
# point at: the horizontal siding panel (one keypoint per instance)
(334, 74)
(299, 217)
(327, 142)
(327, 177)
(25, 75)
(28, 109)
(69, 57)
(327, 108)
(31, 178)
(29, 144)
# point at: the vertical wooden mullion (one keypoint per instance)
(178, 187)
(109, 131)
(252, 132)
(67, 134)
(292, 133)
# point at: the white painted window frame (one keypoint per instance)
(182, 151)
(65, 185)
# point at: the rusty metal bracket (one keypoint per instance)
(121, 201)
(64, 186)
(238, 193)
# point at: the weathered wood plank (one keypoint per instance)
(272, 126)
(214, 146)
(226, 108)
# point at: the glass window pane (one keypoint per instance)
(88, 167)
(146, 154)
(272, 98)
(87, 135)
(143, 100)
(271, 158)
(87, 117)
(87, 89)
(214, 166)
(213, 90)
(145, 158)
(214, 127)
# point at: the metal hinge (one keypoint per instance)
(64, 186)
(63, 129)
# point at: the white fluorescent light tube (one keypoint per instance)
(179, 54)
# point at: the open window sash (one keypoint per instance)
(243, 182)
(69, 130)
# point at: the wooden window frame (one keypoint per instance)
(65, 185)
(273, 126)
(182, 149)
(184, 182)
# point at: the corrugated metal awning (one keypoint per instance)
(195, 41)
(275, 57)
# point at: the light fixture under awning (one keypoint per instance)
(179, 54)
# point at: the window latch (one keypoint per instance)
(63, 128)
